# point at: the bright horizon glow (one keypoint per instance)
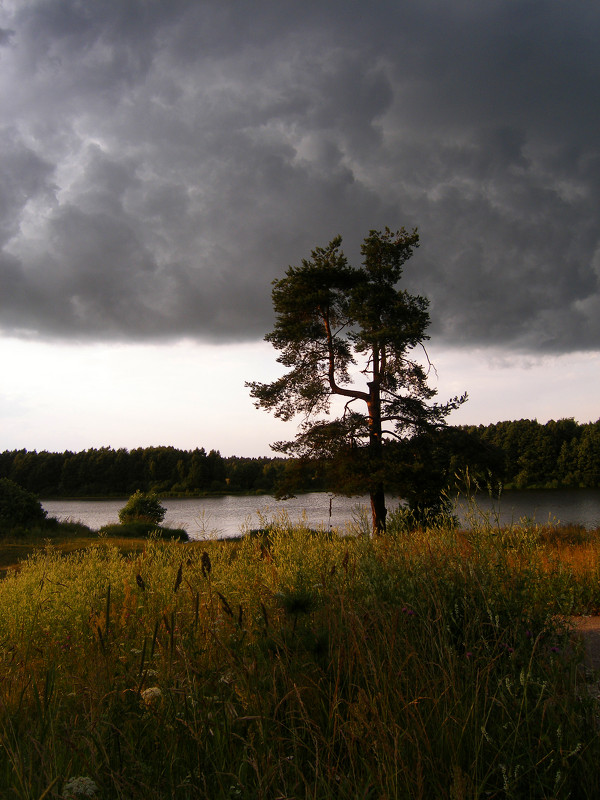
(59, 397)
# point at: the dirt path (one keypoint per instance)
(589, 630)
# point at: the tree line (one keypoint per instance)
(528, 455)
(522, 454)
(105, 472)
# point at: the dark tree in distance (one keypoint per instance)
(334, 323)
(18, 507)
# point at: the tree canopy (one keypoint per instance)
(18, 507)
(351, 333)
(521, 454)
(143, 507)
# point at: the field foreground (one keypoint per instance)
(294, 664)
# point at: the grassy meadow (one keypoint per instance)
(292, 664)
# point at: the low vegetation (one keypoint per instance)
(23, 522)
(139, 528)
(141, 516)
(295, 664)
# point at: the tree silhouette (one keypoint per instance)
(351, 333)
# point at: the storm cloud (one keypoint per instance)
(162, 163)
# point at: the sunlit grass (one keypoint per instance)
(295, 664)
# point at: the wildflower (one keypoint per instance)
(469, 654)
(555, 649)
(76, 788)
(151, 696)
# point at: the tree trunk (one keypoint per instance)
(378, 510)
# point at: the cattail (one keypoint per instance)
(107, 611)
(225, 604)
(265, 615)
(178, 579)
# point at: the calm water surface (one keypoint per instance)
(230, 515)
(577, 506)
(219, 516)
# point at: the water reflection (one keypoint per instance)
(230, 515)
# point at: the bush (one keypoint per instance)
(143, 507)
(138, 529)
(18, 507)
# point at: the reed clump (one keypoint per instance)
(293, 664)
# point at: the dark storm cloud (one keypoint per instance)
(161, 163)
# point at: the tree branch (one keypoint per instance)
(354, 393)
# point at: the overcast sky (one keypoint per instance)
(162, 162)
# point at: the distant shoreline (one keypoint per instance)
(201, 495)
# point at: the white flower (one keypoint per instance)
(151, 696)
(75, 788)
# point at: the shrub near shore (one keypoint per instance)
(293, 664)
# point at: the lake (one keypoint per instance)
(229, 515)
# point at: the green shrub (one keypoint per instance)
(143, 507)
(18, 507)
(138, 529)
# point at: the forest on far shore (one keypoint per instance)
(523, 454)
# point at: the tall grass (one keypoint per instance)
(293, 664)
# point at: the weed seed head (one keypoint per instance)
(76, 788)
(151, 696)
